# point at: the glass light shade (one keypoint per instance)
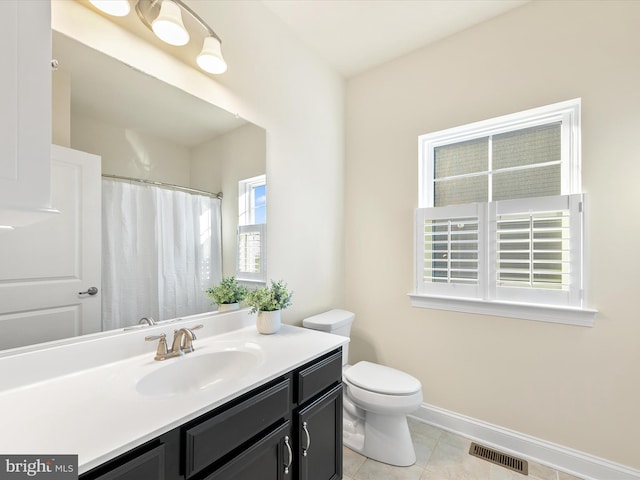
(210, 58)
(168, 26)
(117, 8)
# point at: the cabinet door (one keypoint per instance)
(270, 458)
(25, 105)
(319, 437)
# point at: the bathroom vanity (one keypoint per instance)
(241, 406)
(289, 428)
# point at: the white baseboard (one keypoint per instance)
(560, 458)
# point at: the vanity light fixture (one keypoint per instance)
(166, 18)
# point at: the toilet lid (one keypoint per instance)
(329, 321)
(381, 379)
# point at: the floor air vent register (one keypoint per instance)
(507, 461)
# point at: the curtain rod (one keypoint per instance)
(166, 185)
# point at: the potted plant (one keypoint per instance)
(268, 302)
(228, 294)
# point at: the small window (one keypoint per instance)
(251, 260)
(500, 223)
(252, 201)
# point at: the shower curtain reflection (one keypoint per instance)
(161, 251)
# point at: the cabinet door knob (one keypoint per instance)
(305, 450)
(288, 464)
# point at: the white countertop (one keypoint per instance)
(97, 412)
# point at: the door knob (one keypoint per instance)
(90, 291)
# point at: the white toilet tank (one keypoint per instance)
(335, 321)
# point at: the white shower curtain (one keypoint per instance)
(160, 251)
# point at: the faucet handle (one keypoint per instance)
(162, 351)
(190, 330)
(197, 327)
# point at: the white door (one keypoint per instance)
(45, 266)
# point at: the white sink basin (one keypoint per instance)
(196, 372)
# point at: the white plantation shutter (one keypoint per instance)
(531, 251)
(251, 261)
(449, 243)
(536, 250)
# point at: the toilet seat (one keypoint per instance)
(383, 390)
(382, 380)
(381, 403)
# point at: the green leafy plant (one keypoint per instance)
(228, 291)
(270, 298)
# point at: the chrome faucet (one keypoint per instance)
(182, 343)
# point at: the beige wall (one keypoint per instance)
(575, 386)
(218, 165)
(61, 108)
(131, 153)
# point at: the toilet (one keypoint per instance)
(376, 400)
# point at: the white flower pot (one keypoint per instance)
(227, 307)
(268, 322)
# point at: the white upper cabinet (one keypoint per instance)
(25, 111)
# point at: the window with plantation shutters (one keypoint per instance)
(251, 263)
(251, 242)
(500, 228)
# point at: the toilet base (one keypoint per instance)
(384, 438)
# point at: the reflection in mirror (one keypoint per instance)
(140, 128)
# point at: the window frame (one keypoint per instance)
(485, 301)
(567, 112)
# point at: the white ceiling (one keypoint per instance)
(356, 35)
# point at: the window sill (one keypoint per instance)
(250, 282)
(545, 313)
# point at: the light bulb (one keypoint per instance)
(117, 8)
(168, 26)
(210, 58)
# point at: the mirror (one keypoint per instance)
(145, 128)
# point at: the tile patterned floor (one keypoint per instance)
(440, 456)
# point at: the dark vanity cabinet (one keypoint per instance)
(288, 429)
(318, 419)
